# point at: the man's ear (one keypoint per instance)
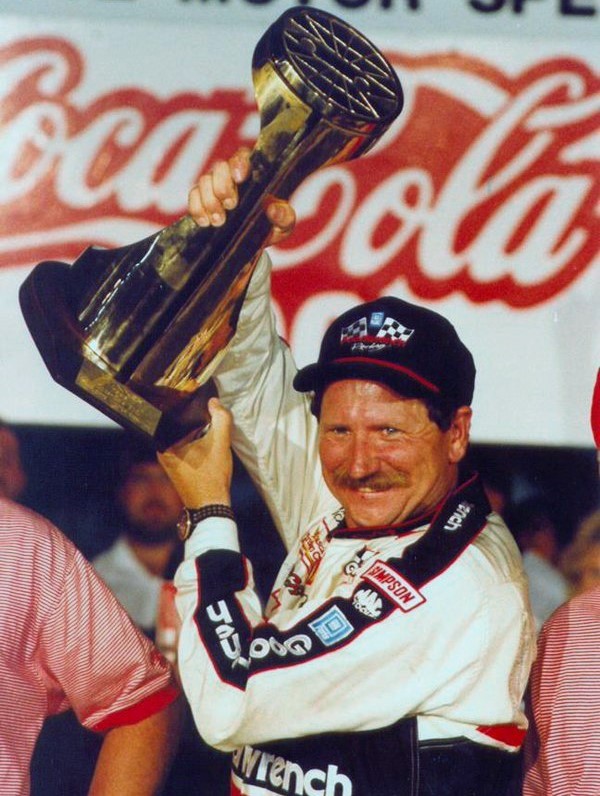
(459, 433)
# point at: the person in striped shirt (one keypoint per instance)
(65, 642)
(562, 754)
(562, 750)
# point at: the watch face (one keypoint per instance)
(184, 525)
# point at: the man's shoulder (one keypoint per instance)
(568, 645)
(35, 559)
(29, 531)
(587, 603)
(494, 554)
(583, 609)
(15, 516)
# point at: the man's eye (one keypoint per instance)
(390, 431)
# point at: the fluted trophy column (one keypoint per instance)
(138, 331)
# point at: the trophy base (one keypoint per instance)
(164, 417)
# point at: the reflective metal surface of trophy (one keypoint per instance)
(137, 331)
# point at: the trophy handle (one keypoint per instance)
(148, 322)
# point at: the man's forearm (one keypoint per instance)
(135, 759)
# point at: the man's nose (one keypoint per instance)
(362, 460)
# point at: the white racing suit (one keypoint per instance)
(387, 662)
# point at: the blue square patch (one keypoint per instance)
(331, 627)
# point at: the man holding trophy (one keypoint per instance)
(395, 648)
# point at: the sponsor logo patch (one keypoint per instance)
(375, 332)
(297, 646)
(311, 553)
(279, 775)
(359, 560)
(293, 583)
(331, 627)
(394, 586)
(222, 621)
(457, 518)
(368, 602)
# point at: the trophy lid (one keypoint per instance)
(333, 68)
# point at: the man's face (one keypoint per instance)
(12, 475)
(382, 457)
(150, 502)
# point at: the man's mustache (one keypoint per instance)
(376, 481)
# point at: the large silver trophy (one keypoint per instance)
(137, 331)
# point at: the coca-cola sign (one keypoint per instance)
(486, 186)
(483, 192)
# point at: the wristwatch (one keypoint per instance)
(191, 517)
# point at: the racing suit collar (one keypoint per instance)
(341, 531)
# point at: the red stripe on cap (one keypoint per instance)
(391, 366)
(508, 734)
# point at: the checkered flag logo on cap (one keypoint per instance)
(392, 329)
(390, 340)
(356, 329)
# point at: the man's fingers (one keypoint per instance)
(212, 204)
(283, 218)
(223, 184)
(239, 164)
(196, 208)
(217, 192)
(213, 195)
(220, 419)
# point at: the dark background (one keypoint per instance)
(73, 476)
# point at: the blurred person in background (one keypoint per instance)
(138, 568)
(533, 524)
(580, 560)
(142, 560)
(562, 749)
(497, 485)
(13, 479)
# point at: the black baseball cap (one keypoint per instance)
(410, 348)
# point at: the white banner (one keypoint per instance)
(557, 19)
(481, 201)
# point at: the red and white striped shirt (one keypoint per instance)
(65, 642)
(563, 745)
